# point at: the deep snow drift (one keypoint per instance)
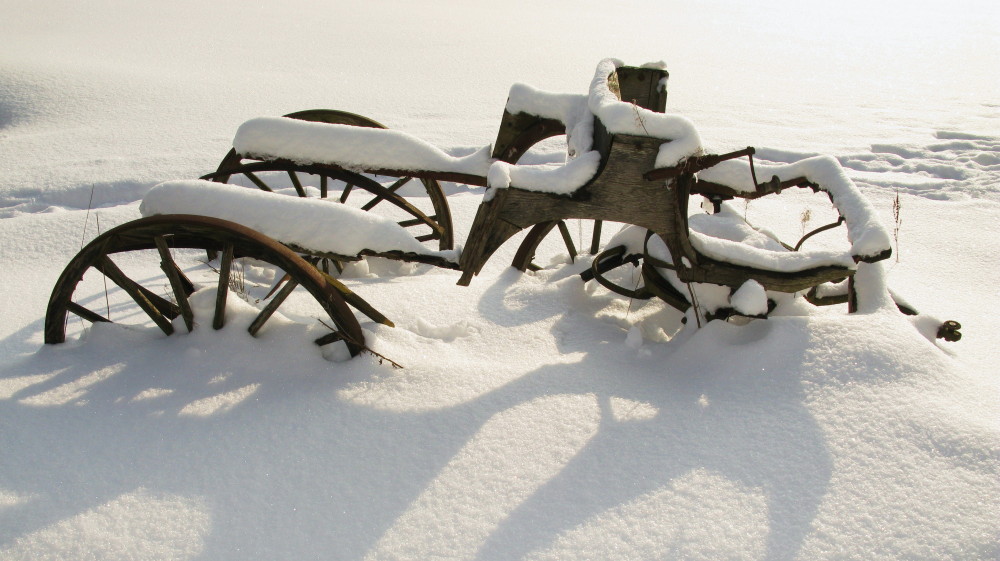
(536, 417)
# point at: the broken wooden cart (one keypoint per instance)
(627, 162)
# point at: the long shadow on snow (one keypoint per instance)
(287, 460)
(745, 421)
(291, 460)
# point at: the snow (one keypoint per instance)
(536, 417)
(868, 236)
(323, 227)
(352, 147)
(381, 149)
(750, 299)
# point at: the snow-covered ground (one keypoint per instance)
(536, 417)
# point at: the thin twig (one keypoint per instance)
(695, 304)
(365, 348)
(898, 218)
(638, 117)
(107, 302)
(86, 221)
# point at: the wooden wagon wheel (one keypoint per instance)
(159, 238)
(524, 259)
(398, 199)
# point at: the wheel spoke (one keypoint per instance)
(257, 181)
(296, 183)
(223, 291)
(86, 314)
(277, 285)
(391, 190)
(331, 337)
(176, 284)
(595, 241)
(272, 306)
(359, 303)
(150, 303)
(347, 192)
(568, 240)
(415, 222)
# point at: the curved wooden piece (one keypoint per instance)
(520, 131)
(197, 232)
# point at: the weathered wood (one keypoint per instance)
(567, 239)
(520, 131)
(526, 251)
(162, 305)
(257, 181)
(222, 292)
(194, 232)
(299, 189)
(170, 269)
(595, 240)
(142, 297)
(346, 192)
(272, 306)
(86, 314)
(61, 299)
(618, 193)
(359, 303)
(643, 86)
(331, 337)
(391, 189)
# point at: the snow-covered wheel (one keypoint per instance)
(141, 243)
(418, 204)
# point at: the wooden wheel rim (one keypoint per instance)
(197, 232)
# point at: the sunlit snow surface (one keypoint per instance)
(536, 418)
